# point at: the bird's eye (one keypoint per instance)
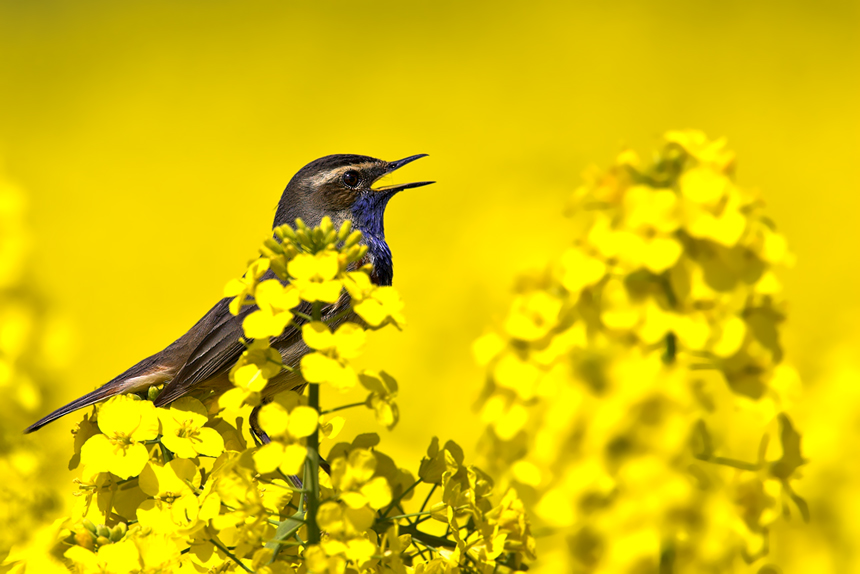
(351, 178)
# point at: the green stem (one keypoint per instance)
(231, 555)
(312, 473)
(287, 487)
(301, 315)
(429, 494)
(399, 498)
(399, 516)
(312, 465)
(283, 366)
(287, 529)
(428, 540)
(340, 408)
(342, 314)
(422, 520)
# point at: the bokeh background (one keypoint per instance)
(152, 141)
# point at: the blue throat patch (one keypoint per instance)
(368, 212)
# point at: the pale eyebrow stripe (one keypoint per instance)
(329, 176)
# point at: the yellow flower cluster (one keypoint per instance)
(183, 489)
(636, 389)
(314, 281)
(28, 494)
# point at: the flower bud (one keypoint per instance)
(344, 231)
(330, 237)
(153, 392)
(273, 245)
(85, 540)
(352, 239)
(118, 531)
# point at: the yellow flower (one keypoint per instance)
(440, 461)
(353, 478)
(243, 289)
(511, 519)
(170, 513)
(286, 422)
(346, 343)
(245, 518)
(487, 347)
(294, 422)
(383, 306)
(314, 276)
(579, 270)
(329, 364)
(319, 368)
(667, 329)
(651, 210)
(383, 389)
(506, 417)
(126, 422)
(532, 316)
(288, 458)
(331, 427)
(265, 358)
(250, 374)
(358, 285)
(161, 553)
(275, 302)
(171, 480)
(513, 372)
(183, 432)
(120, 558)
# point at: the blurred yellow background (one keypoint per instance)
(154, 140)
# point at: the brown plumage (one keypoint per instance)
(199, 362)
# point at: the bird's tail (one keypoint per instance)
(97, 395)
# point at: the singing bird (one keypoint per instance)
(198, 363)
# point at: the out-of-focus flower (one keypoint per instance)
(631, 379)
(35, 346)
(383, 390)
(378, 306)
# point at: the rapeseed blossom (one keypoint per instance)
(636, 393)
(125, 423)
(31, 467)
(638, 406)
(328, 364)
(182, 430)
(188, 488)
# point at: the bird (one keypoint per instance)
(198, 363)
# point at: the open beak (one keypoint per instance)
(395, 165)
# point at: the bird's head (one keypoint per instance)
(342, 188)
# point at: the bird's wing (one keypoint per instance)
(160, 367)
(216, 352)
(220, 347)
